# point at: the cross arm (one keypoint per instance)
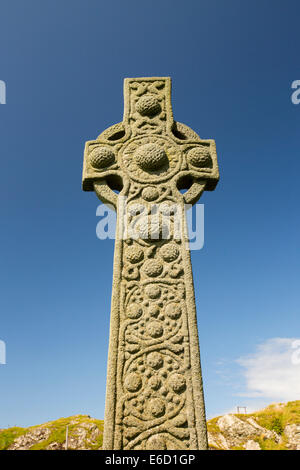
(101, 170)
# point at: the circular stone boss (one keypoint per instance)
(148, 105)
(199, 157)
(154, 382)
(155, 329)
(134, 311)
(133, 382)
(102, 157)
(155, 360)
(153, 291)
(152, 268)
(156, 407)
(134, 254)
(150, 193)
(169, 252)
(173, 310)
(177, 383)
(151, 159)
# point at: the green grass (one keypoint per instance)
(7, 436)
(212, 426)
(57, 433)
(270, 444)
(274, 418)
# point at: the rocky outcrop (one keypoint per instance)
(31, 438)
(217, 441)
(252, 445)
(275, 428)
(237, 430)
(81, 431)
(83, 436)
(292, 431)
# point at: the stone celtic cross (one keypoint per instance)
(154, 395)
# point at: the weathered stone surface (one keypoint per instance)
(252, 445)
(237, 431)
(154, 397)
(267, 434)
(217, 441)
(292, 432)
(31, 438)
(233, 425)
(84, 433)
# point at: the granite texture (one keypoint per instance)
(154, 397)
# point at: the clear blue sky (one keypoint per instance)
(232, 64)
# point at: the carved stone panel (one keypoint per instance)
(154, 394)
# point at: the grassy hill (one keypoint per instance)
(276, 427)
(84, 432)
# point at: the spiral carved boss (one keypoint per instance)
(154, 396)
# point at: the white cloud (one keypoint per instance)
(273, 371)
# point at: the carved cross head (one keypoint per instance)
(149, 150)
